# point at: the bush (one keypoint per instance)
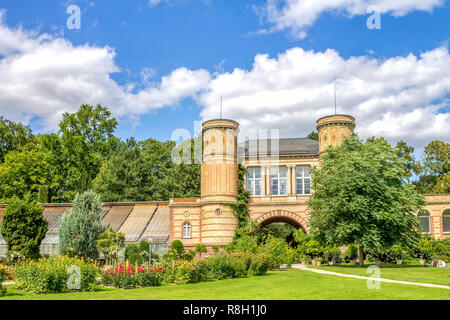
(276, 248)
(132, 254)
(109, 244)
(227, 266)
(53, 275)
(128, 277)
(332, 254)
(183, 271)
(261, 263)
(3, 276)
(399, 252)
(351, 253)
(23, 228)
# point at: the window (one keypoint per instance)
(424, 219)
(278, 181)
(254, 181)
(446, 221)
(303, 179)
(186, 230)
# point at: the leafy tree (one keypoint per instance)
(314, 135)
(406, 153)
(13, 136)
(87, 140)
(436, 168)
(25, 172)
(80, 229)
(23, 227)
(109, 243)
(360, 197)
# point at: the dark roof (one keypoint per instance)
(287, 146)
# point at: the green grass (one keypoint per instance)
(277, 285)
(414, 273)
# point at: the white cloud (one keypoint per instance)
(297, 15)
(403, 97)
(43, 76)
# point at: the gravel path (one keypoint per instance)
(303, 267)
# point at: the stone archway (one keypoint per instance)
(288, 217)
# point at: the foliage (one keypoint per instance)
(79, 229)
(226, 266)
(360, 196)
(109, 243)
(399, 252)
(132, 254)
(351, 253)
(183, 271)
(244, 243)
(199, 249)
(13, 136)
(134, 276)
(23, 228)
(53, 275)
(275, 248)
(240, 208)
(332, 253)
(314, 135)
(3, 277)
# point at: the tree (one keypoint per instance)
(314, 135)
(25, 172)
(406, 153)
(13, 136)
(361, 197)
(80, 229)
(23, 228)
(87, 140)
(109, 243)
(436, 168)
(199, 249)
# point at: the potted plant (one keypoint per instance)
(399, 253)
(319, 261)
(351, 253)
(306, 260)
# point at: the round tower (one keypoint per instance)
(219, 176)
(333, 130)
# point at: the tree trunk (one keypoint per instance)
(361, 256)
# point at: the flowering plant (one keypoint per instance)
(183, 271)
(127, 277)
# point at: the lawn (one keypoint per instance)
(415, 273)
(277, 285)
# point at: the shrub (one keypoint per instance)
(53, 275)
(109, 244)
(332, 254)
(183, 271)
(3, 276)
(227, 266)
(351, 253)
(261, 263)
(199, 249)
(128, 277)
(23, 228)
(79, 230)
(276, 248)
(132, 254)
(399, 252)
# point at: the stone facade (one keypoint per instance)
(277, 195)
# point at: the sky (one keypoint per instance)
(163, 65)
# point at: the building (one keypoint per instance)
(278, 176)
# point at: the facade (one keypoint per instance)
(278, 177)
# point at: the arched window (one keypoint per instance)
(424, 219)
(446, 221)
(186, 230)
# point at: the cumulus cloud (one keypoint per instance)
(404, 97)
(42, 76)
(297, 15)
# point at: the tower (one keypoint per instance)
(333, 130)
(219, 176)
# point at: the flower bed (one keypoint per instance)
(127, 277)
(183, 271)
(3, 277)
(55, 275)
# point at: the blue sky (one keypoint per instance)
(221, 38)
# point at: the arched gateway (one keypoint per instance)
(288, 217)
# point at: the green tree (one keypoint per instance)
(406, 153)
(360, 197)
(314, 135)
(79, 229)
(13, 136)
(436, 168)
(87, 140)
(109, 243)
(23, 228)
(25, 172)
